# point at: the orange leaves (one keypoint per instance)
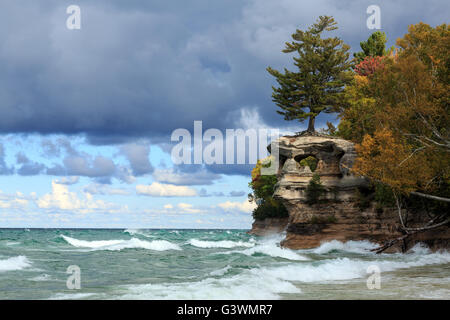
(387, 158)
(369, 65)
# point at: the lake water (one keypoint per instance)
(208, 264)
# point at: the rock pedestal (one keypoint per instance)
(336, 216)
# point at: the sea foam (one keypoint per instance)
(269, 246)
(347, 269)
(273, 282)
(349, 246)
(274, 251)
(226, 244)
(14, 263)
(115, 245)
(242, 286)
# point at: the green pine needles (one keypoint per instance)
(323, 70)
(314, 190)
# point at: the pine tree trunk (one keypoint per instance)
(311, 124)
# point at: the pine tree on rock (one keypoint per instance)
(323, 71)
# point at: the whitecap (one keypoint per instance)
(243, 286)
(347, 269)
(12, 243)
(274, 251)
(226, 244)
(270, 246)
(274, 282)
(71, 296)
(14, 263)
(115, 245)
(349, 246)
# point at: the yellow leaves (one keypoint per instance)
(256, 171)
(379, 157)
(395, 112)
(361, 80)
(390, 159)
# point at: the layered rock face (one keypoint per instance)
(334, 158)
(336, 214)
(269, 226)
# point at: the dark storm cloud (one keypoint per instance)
(145, 68)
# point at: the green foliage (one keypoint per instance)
(374, 46)
(310, 162)
(314, 190)
(383, 195)
(357, 117)
(377, 192)
(364, 197)
(323, 71)
(263, 187)
(269, 209)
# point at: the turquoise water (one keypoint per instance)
(207, 264)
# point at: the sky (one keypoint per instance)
(86, 116)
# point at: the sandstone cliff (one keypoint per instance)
(336, 215)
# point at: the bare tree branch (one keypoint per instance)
(429, 196)
(406, 159)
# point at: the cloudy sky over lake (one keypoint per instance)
(86, 115)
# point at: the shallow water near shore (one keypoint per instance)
(208, 264)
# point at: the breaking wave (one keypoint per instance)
(242, 286)
(273, 282)
(269, 246)
(226, 244)
(14, 263)
(349, 246)
(115, 245)
(273, 251)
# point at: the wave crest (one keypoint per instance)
(14, 263)
(226, 244)
(349, 246)
(116, 245)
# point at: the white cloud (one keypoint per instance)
(13, 201)
(165, 190)
(188, 208)
(62, 199)
(245, 206)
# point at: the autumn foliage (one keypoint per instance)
(404, 129)
(369, 65)
(263, 187)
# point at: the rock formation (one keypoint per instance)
(336, 215)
